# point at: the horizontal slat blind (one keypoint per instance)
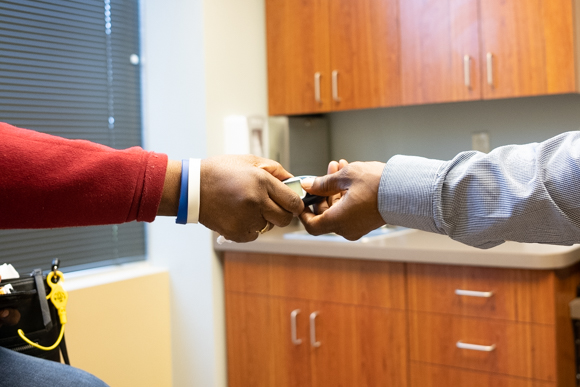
(65, 69)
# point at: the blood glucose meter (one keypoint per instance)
(308, 199)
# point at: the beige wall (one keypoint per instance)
(119, 327)
(235, 76)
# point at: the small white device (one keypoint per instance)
(296, 186)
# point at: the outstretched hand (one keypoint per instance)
(240, 193)
(351, 208)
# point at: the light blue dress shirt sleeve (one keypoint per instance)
(524, 193)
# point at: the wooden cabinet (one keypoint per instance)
(504, 323)
(394, 324)
(440, 51)
(527, 47)
(332, 55)
(298, 56)
(315, 324)
(457, 50)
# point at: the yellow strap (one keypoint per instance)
(59, 297)
(21, 334)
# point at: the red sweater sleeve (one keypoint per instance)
(48, 181)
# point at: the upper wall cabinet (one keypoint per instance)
(440, 51)
(527, 47)
(329, 55)
(326, 55)
(298, 56)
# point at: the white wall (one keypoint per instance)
(175, 123)
(202, 61)
(442, 130)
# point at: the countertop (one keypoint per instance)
(412, 246)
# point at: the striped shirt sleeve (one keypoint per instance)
(523, 193)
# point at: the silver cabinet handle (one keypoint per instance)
(293, 315)
(490, 69)
(475, 347)
(467, 70)
(472, 293)
(313, 341)
(335, 86)
(317, 87)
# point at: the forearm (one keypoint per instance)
(526, 193)
(47, 181)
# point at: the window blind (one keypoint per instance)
(71, 68)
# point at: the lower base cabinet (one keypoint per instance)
(274, 341)
(428, 375)
(307, 321)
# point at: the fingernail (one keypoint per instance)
(307, 183)
(4, 313)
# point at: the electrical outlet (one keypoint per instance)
(480, 142)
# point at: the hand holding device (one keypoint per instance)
(242, 196)
(351, 209)
(295, 184)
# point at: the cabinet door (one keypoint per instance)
(365, 53)
(261, 352)
(358, 346)
(440, 51)
(529, 45)
(290, 351)
(298, 49)
(250, 338)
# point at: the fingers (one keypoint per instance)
(318, 224)
(284, 196)
(275, 214)
(274, 168)
(326, 185)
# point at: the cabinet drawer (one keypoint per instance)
(503, 347)
(348, 281)
(507, 294)
(427, 375)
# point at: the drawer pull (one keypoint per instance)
(473, 293)
(475, 347)
(295, 340)
(313, 341)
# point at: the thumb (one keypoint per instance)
(326, 185)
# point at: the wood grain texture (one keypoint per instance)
(428, 375)
(567, 281)
(381, 351)
(249, 335)
(350, 281)
(365, 50)
(297, 48)
(291, 362)
(518, 295)
(359, 346)
(533, 47)
(356, 282)
(247, 272)
(522, 349)
(435, 37)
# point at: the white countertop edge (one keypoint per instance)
(444, 251)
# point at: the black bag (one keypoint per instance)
(38, 318)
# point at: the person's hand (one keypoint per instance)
(242, 194)
(351, 209)
(9, 316)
